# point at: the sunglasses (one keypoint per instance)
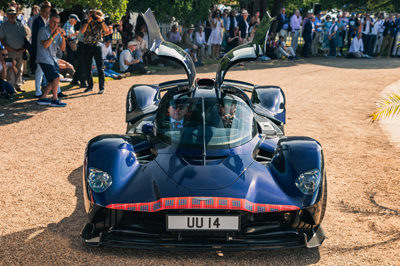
(4, 54)
(181, 107)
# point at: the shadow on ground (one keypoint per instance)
(56, 242)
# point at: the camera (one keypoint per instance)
(94, 16)
(8, 60)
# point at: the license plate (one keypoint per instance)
(203, 222)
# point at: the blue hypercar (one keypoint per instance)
(205, 166)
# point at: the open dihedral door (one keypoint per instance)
(168, 50)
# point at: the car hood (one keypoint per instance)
(218, 173)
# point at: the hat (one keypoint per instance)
(11, 10)
(353, 14)
(318, 13)
(192, 27)
(73, 16)
(132, 43)
(107, 39)
(244, 12)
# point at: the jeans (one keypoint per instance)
(107, 72)
(135, 67)
(396, 45)
(332, 45)
(80, 73)
(372, 44)
(307, 42)
(90, 52)
(6, 88)
(367, 43)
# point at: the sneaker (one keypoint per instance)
(290, 58)
(38, 96)
(88, 89)
(61, 95)
(26, 76)
(101, 91)
(6, 96)
(339, 54)
(44, 101)
(162, 65)
(326, 55)
(127, 74)
(74, 82)
(1, 114)
(57, 103)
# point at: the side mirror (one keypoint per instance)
(147, 128)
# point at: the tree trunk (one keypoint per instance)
(276, 9)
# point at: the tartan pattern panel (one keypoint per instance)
(211, 203)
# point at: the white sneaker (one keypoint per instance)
(339, 54)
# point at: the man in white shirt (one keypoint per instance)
(367, 24)
(200, 42)
(377, 32)
(295, 23)
(109, 57)
(357, 48)
(129, 64)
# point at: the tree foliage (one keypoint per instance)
(185, 11)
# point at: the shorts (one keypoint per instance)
(51, 72)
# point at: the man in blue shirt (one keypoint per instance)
(283, 24)
(317, 34)
(49, 38)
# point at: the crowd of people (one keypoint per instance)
(53, 47)
(53, 43)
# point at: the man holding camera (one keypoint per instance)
(49, 38)
(12, 36)
(367, 24)
(92, 28)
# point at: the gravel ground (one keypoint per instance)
(41, 156)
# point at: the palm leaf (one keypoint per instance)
(387, 107)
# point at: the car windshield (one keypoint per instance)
(228, 122)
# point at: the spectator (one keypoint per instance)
(257, 17)
(142, 48)
(244, 28)
(388, 35)
(126, 28)
(307, 36)
(282, 50)
(71, 35)
(295, 23)
(80, 73)
(109, 57)
(34, 13)
(332, 38)
(200, 41)
(49, 38)
(12, 37)
(225, 17)
(187, 40)
(378, 28)
(317, 34)
(233, 39)
(271, 46)
(41, 21)
(354, 24)
(339, 34)
(325, 43)
(367, 24)
(197, 63)
(65, 68)
(357, 48)
(128, 63)
(174, 36)
(232, 22)
(207, 26)
(283, 24)
(20, 16)
(6, 89)
(92, 28)
(215, 39)
(345, 21)
(397, 38)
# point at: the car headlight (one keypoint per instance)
(99, 180)
(308, 182)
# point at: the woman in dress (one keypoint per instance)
(325, 44)
(216, 36)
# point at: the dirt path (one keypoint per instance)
(41, 156)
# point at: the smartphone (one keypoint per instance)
(8, 60)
